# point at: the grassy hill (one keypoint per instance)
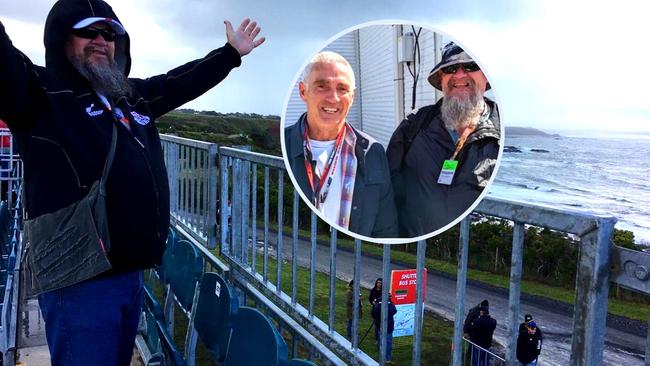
(261, 132)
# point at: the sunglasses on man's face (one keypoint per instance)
(92, 33)
(467, 67)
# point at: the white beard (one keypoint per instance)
(460, 113)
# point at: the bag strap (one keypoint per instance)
(109, 162)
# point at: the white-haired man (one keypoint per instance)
(442, 156)
(342, 171)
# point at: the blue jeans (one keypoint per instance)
(93, 322)
(534, 363)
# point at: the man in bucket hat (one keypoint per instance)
(64, 117)
(442, 156)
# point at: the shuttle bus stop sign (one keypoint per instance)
(403, 287)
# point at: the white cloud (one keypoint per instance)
(553, 63)
(577, 65)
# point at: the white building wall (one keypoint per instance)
(371, 51)
(348, 47)
(377, 67)
(424, 92)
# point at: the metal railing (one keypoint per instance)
(266, 269)
(592, 279)
(192, 172)
(9, 314)
(475, 355)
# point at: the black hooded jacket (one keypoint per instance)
(62, 131)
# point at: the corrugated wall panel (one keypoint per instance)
(346, 46)
(377, 64)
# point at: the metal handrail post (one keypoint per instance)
(419, 303)
(592, 288)
(213, 179)
(461, 282)
(516, 264)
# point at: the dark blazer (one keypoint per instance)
(373, 208)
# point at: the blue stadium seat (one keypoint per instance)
(215, 306)
(185, 271)
(148, 339)
(255, 341)
(299, 362)
(153, 312)
(159, 271)
(173, 356)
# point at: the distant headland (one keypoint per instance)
(528, 131)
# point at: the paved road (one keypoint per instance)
(620, 349)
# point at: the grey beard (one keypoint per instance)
(105, 79)
(458, 114)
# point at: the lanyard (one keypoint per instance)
(461, 141)
(318, 184)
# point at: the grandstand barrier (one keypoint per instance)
(214, 207)
(244, 175)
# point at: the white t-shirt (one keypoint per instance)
(321, 151)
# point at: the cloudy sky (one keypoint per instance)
(569, 65)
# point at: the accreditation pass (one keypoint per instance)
(447, 172)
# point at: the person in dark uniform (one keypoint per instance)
(480, 334)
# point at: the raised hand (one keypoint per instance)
(243, 39)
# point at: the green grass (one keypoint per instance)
(436, 336)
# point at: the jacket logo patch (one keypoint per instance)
(92, 113)
(143, 120)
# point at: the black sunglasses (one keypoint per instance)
(92, 33)
(467, 67)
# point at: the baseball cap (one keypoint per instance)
(117, 27)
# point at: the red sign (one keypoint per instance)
(403, 286)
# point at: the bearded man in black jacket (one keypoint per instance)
(63, 117)
(442, 156)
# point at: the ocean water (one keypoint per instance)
(608, 176)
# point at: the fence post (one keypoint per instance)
(333, 279)
(516, 263)
(419, 302)
(592, 287)
(223, 198)
(171, 160)
(461, 281)
(355, 295)
(213, 179)
(647, 347)
(383, 335)
(236, 211)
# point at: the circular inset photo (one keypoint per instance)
(392, 132)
